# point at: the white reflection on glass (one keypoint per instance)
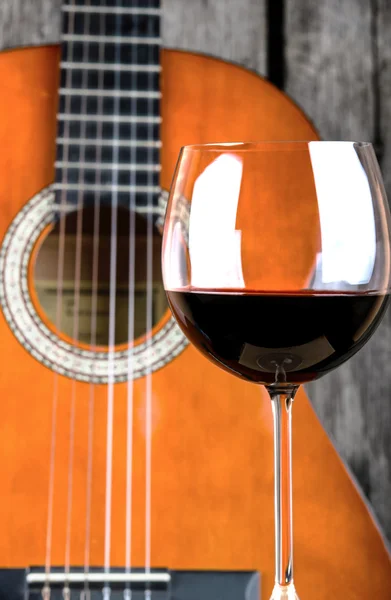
(346, 214)
(178, 270)
(214, 243)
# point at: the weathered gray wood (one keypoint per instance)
(230, 29)
(329, 65)
(29, 22)
(332, 49)
(382, 46)
(339, 71)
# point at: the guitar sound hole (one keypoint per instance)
(92, 304)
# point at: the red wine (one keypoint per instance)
(274, 338)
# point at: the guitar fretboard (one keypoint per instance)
(109, 101)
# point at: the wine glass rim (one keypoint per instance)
(268, 144)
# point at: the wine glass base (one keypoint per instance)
(286, 592)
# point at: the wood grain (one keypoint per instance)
(31, 22)
(382, 82)
(227, 29)
(338, 61)
(338, 69)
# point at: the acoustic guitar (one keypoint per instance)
(129, 465)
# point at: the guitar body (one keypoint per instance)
(212, 453)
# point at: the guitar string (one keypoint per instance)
(149, 326)
(131, 328)
(94, 306)
(76, 301)
(59, 290)
(112, 309)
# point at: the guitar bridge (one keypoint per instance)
(118, 584)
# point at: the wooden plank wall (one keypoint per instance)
(334, 59)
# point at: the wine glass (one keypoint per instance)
(276, 265)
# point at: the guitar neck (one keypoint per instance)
(109, 101)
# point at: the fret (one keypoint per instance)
(100, 142)
(98, 154)
(108, 177)
(103, 39)
(109, 131)
(109, 106)
(99, 49)
(115, 10)
(93, 151)
(109, 94)
(108, 187)
(110, 67)
(104, 166)
(113, 3)
(113, 25)
(111, 80)
(108, 118)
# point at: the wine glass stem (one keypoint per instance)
(282, 400)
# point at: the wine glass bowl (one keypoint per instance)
(276, 265)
